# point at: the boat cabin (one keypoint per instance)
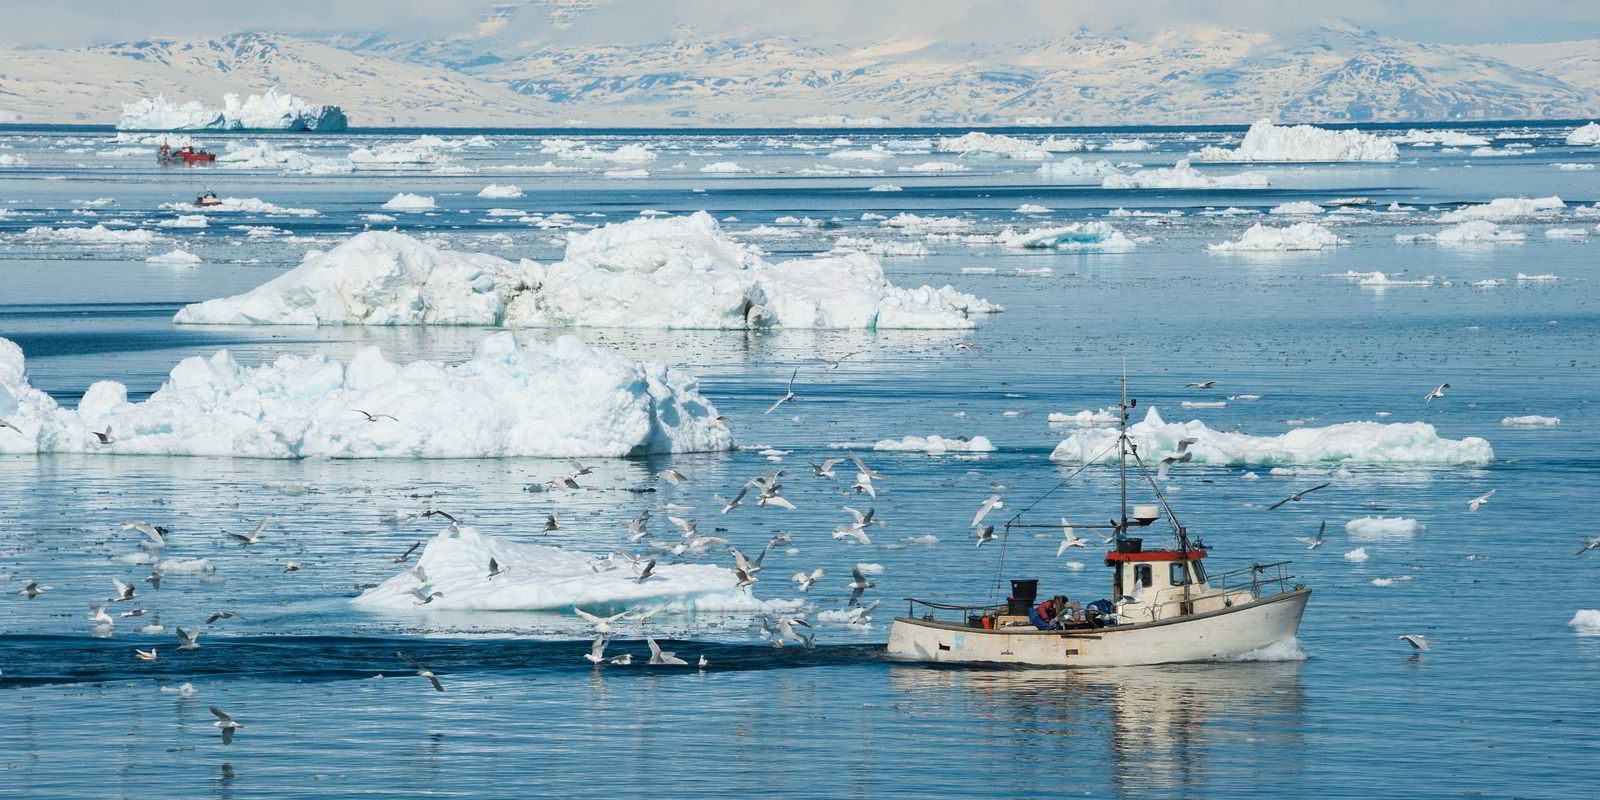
(1152, 585)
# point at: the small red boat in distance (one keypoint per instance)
(186, 154)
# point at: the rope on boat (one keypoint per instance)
(1005, 535)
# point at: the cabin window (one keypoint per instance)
(1199, 571)
(1141, 575)
(1179, 576)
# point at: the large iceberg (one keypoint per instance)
(563, 399)
(1349, 442)
(1268, 142)
(1585, 134)
(273, 111)
(1265, 238)
(672, 272)
(544, 578)
(1183, 176)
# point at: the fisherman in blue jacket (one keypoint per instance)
(1047, 615)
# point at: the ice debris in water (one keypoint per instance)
(1349, 442)
(1585, 134)
(562, 399)
(1297, 207)
(544, 578)
(1530, 421)
(1104, 416)
(991, 145)
(1587, 619)
(936, 445)
(1379, 528)
(1265, 238)
(274, 110)
(1268, 142)
(98, 234)
(1075, 167)
(500, 190)
(1467, 234)
(1092, 236)
(409, 202)
(1183, 176)
(670, 272)
(243, 205)
(1356, 556)
(1504, 208)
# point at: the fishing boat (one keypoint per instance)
(186, 154)
(1163, 607)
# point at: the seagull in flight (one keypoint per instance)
(1314, 543)
(597, 651)
(637, 527)
(216, 615)
(852, 532)
(1069, 538)
(858, 584)
(788, 395)
(406, 556)
(103, 437)
(805, 580)
(495, 568)
(672, 476)
(422, 671)
(125, 591)
(98, 615)
(1476, 502)
(438, 512)
(579, 470)
(985, 535)
(863, 485)
(551, 523)
(1438, 391)
(602, 625)
(985, 507)
(834, 364)
(729, 505)
(187, 640)
(563, 482)
(4, 424)
(659, 656)
(226, 723)
(1181, 455)
(255, 535)
(424, 596)
(1200, 385)
(1296, 497)
(646, 571)
(373, 417)
(825, 469)
(1417, 640)
(157, 534)
(1593, 543)
(32, 589)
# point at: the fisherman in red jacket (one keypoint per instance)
(1047, 615)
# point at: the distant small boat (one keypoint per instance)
(208, 199)
(186, 154)
(1164, 607)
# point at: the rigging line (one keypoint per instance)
(1087, 464)
(1172, 516)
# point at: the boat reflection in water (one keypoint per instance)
(1186, 730)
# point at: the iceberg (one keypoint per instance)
(1347, 443)
(937, 445)
(177, 256)
(98, 234)
(1084, 418)
(666, 272)
(1075, 167)
(264, 155)
(1504, 208)
(1183, 176)
(1093, 236)
(409, 202)
(1297, 208)
(1586, 619)
(1446, 138)
(1264, 238)
(1475, 232)
(275, 110)
(991, 145)
(1530, 421)
(1369, 529)
(500, 190)
(563, 399)
(544, 578)
(1268, 142)
(1585, 134)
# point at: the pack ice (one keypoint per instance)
(667, 272)
(540, 577)
(275, 110)
(560, 399)
(1349, 442)
(1268, 142)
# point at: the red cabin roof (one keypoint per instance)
(1158, 555)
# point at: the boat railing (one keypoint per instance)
(1255, 577)
(931, 613)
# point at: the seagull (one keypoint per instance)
(406, 556)
(637, 529)
(104, 437)
(255, 535)
(563, 482)
(157, 534)
(861, 466)
(422, 671)
(858, 584)
(805, 580)
(424, 596)
(145, 655)
(622, 660)
(373, 417)
(786, 631)
(834, 364)
(132, 612)
(863, 518)
(439, 512)
(985, 535)
(659, 656)
(746, 578)
(187, 640)
(32, 589)
(216, 615)
(98, 615)
(1474, 503)
(778, 539)
(744, 563)
(1593, 543)
(689, 527)
(1182, 454)
(1069, 538)
(788, 395)
(1310, 543)
(969, 348)
(226, 723)
(154, 579)
(1438, 391)
(852, 532)
(602, 625)
(646, 571)
(729, 505)
(4, 424)
(578, 469)
(419, 573)
(825, 469)
(291, 566)
(985, 507)
(864, 485)
(597, 651)
(703, 663)
(1200, 385)
(672, 476)
(495, 568)
(551, 523)
(124, 590)
(1294, 498)
(1417, 640)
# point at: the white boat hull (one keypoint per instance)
(1217, 635)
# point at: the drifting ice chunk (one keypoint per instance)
(409, 202)
(1585, 134)
(1093, 236)
(678, 272)
(1300, 236)
(243, 205)
(1587, 620)
(1105, 416)
(175, 256)
(1074, 167)
(564, 399)
(542, 578)
(1530, 421)
(937, 445)
(500, 190)
(1183, 176)
(1268, 142)
(1476, 232)
(992, 145)
(1504, 208)
(99, 234)
(1297, 207)
(1446, 138)
(1367, 529)
(1350, 442)
(275, 110)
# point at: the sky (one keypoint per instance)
(83, 22)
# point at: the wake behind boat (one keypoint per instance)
(1166, 608)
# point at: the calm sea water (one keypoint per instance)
(1503, 705)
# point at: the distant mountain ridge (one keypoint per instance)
(498, 75)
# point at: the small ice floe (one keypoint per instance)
(1265, 238)
(1268, 142)
(1525, 278)
(626, 174)
(936, 445)
(1205, 404)
(1356, 556)
(1530, 421)
(884, 187)
(1074, 167)
(1298, 207)
(244, 205)
(1587, 621)
(1030, 208)
(1390, 581)
(184, 221)
(1092, 236)
(404, 201)
(992, 145)
(1382, 528)
(1566, 233)
(500, 190)
(1104, 416)
(1245, 398)
(1475, 232)
(176, 256)
(1183, 176)
(1501, 209)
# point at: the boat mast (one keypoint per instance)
(1122, 451)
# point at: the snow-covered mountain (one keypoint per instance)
(516, 67)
